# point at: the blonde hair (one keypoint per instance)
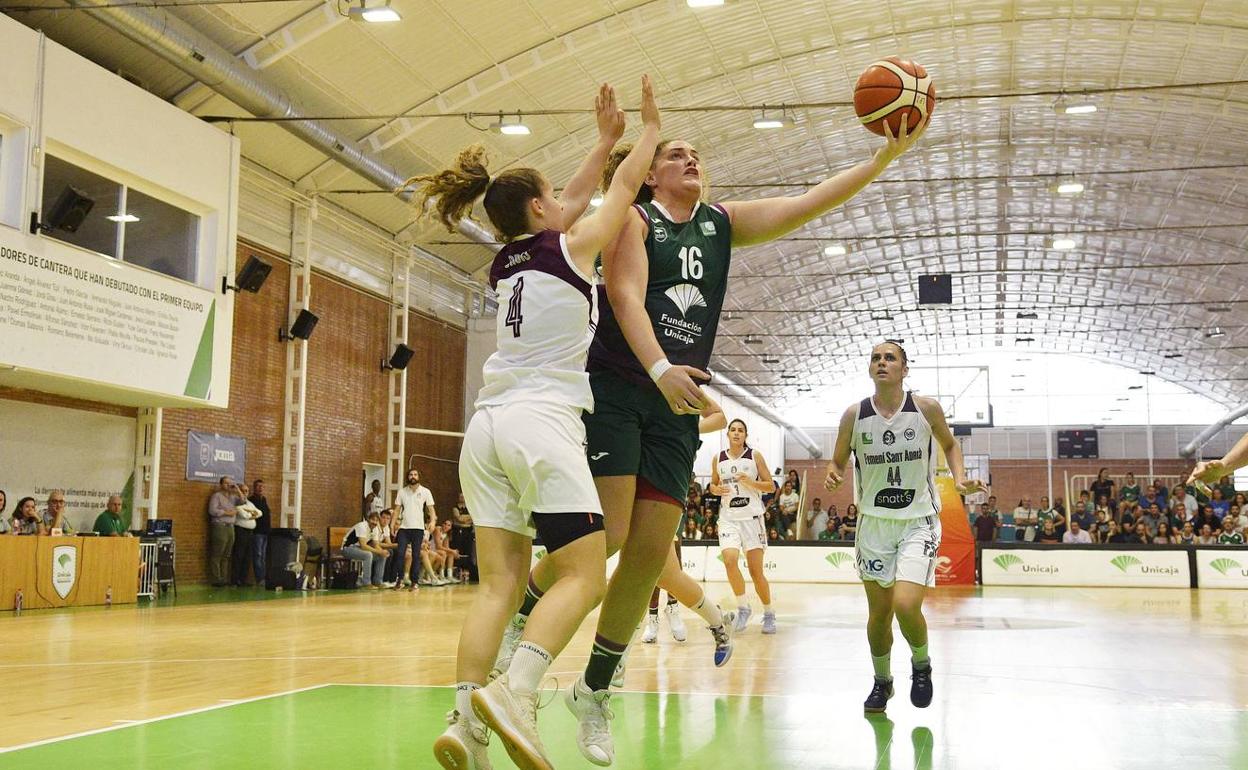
(457, 188)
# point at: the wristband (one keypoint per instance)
(659, 369)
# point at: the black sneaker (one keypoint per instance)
(921, 686)
(877, 701)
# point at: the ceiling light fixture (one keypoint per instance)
(127, 217)
(771, 361)
(378, 14)
(1062, 244)
(1173, 355)
(1027, 316)
(704, 3)
(750, 339)
(881, 316)
(1068, 187)
(768, 121)
(1082, 108)
(1024, 339)
(1136, 387)
(1215, 332)
(509, 125)
(1148, 371)
(835, 250)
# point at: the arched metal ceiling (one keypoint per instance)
(1161, 228)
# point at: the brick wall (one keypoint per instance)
(346, 408)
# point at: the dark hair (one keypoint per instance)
(743, 425)
(897, 344)
(5, 495)
(645, 193)
(257, 481)
(22, 503)
(458, 187)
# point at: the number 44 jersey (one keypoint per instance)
(894, 462)
(547, 314)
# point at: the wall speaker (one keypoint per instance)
(399, 359)
(301, 329)
(69, 211)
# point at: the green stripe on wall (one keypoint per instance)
(200, 380)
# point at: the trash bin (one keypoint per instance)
(283, 552)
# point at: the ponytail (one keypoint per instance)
(457, 188)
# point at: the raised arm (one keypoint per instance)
(837, 466)
(953, 450)
(588, 237)
(765, 220)
(580, 188)
(1213, 471)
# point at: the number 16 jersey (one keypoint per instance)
(547, 314)
(894, 462)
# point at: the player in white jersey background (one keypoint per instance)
(892, 437)
(739, 476)
(523, 466)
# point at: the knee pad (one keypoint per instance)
(558, 529)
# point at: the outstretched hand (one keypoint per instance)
(894, 146)
(649, 110)
(610, 117)
(970, 487)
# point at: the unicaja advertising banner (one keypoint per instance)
(1222, 567)
(1085, 567)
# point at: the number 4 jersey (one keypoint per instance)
(547, 313)
(688, 276)
(894, 462)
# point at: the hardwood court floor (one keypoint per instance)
(1075, 678)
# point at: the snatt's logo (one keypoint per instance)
(894, 499)
(837, 558)
(1224, 566)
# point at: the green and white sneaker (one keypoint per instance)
(593, 715)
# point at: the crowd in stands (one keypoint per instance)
(782, 514)
(26, 517)
(1126, 512)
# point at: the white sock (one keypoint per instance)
(766, 609)
(709, 611)
(463, 698)
(742, 602)
(528, 666)
(883, 665)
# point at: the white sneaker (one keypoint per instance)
(464, 745)
(506, 650)
(388, 584)
(651, 634)
(514, 718)
(593, 715)
(676, 623)
(617, 678)
(743, 617)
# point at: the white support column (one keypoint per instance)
(295, 401)
(146, 466)
(396, 439)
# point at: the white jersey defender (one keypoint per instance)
(741, 524)
(899, 527)
(524, 449)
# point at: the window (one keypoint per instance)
(77, 204)
(98, 214)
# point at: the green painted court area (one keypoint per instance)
(353, 726)
(349, 726)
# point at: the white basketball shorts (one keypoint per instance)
(525, 457)
(743, 534)
(888, 550)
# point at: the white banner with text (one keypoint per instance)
(1090, 567)
(1222, 567)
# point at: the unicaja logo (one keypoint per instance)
(1224, 566)
(541, 552)
(837, 558)
(1125, 561)
(1007, 560)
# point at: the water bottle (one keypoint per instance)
(17, 602)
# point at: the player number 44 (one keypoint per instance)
(894, 476)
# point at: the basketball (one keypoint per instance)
(890, 89)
